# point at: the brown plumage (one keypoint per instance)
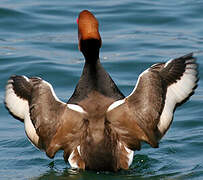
(98, 128)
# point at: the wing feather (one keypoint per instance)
(146, 114)
(50, 124)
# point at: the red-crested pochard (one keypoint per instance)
(99, 128)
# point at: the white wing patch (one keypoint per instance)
(16, 105)
(76, 108)
(30, 130)
(115, 104)
(176, 93)
(20, 108)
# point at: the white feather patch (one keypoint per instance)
(26, 78)
(16, 105)
(78, 148)
(115, 104)
(30, 130)
(176, 93)
(130, 154)
(76, 108)
(73, 163)
(20, 108)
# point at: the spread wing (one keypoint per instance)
(50, 124)
(146, 114)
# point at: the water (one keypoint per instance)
(39, 38)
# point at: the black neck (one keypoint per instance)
(90, 49)
(94, 77)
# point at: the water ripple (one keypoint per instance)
(39, 38)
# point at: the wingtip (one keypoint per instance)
(188, 56)
(14, 102)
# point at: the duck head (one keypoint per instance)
(89, 40)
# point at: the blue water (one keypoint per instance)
(39, 38)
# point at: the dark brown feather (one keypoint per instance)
(137, 118)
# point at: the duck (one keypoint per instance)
(99, 128)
